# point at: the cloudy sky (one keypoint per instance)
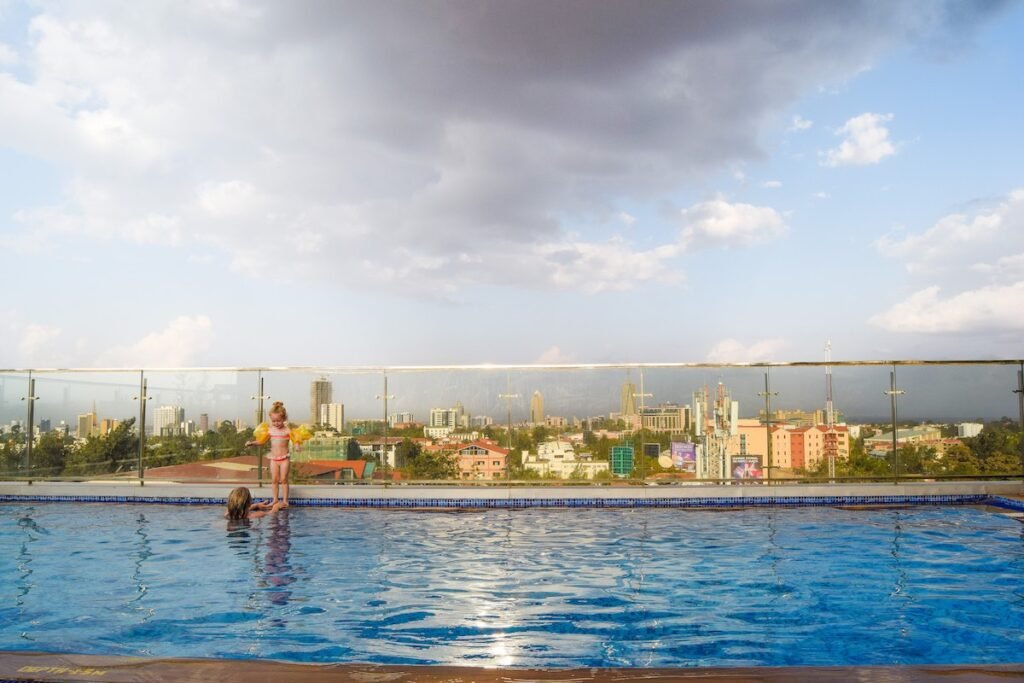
(221, 183)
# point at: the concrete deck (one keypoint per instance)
(408, 495)
(37, 667)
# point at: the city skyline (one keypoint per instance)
(948, 394)
(574, 183)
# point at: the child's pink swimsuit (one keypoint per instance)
(277, 435)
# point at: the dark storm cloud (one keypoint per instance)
(471, 134)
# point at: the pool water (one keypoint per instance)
(522, 588)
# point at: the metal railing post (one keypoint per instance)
(142, 398)
(30, 432)
(767, 394)
(259, 398)
(893, 393)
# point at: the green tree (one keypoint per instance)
(540, 434)
(406, 452)
(353, 451)
(11, 454)
(109, 454)
(959, 459)
(50, 454)
(431, 465)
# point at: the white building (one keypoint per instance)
(444, 417)
(968, 429)
(557, 458)
(333, 414)
(168, 421)
(399, 418)
(437, 432)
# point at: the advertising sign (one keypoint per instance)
(746, 466)
(684, 456)
(622, 460)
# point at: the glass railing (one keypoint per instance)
(623, 424)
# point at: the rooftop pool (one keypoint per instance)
(564, 588)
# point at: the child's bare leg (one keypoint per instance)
(274, 475)
(284, 466)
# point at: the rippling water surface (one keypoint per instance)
(556, 588)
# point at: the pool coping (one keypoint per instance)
(39, 667)
(1005, 493)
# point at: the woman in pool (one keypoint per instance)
(240, 506)
(280, 457)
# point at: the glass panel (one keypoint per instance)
(84, 425)
(628, 425)
(197, 425)
(13, 425)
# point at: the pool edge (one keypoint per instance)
(36, 667)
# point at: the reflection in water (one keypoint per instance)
(899, 590)
(143, 551)
(279, 575)
(31, 531)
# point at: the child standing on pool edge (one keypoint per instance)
(280, 456)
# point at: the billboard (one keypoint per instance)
(684, 456)
(746, 466)
(622, 460)
(652, 450)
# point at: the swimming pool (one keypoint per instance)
(522, 588)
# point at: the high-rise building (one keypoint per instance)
(319, 395)
(461, 419)
(108, 425)
(399, 418)
(44, 426)
(168, 420)
(333, 414)
(204, 423)
(481, 421)
(537, 408)
(86, 422)
(443, 417)
(627, 399)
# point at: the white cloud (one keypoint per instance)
(180, 344)
(981, 239)
(988, 309)
(555, 356)
(719, 223)
(733, 351)
(772, 184)
(608, 266)
(799, 123)
(34, 337)
(8, 57)
(867, 142)
(821, 195)
(627, 218)
(30, 344)
(1005, 267)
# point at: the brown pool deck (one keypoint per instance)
(37, 666)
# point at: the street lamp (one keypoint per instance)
(643, 456)
(260, 397)
(767, 394)
(384, 449)
(893, 393)
(509, 396)
(142, 398)
(31, 400)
